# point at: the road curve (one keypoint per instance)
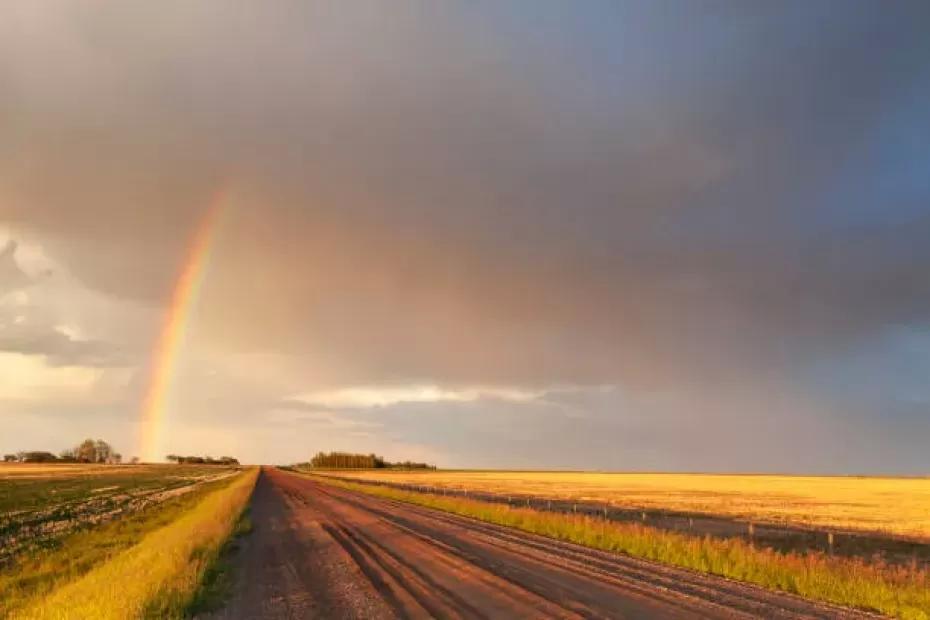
(318, 551)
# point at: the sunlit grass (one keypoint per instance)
(219, 578)
(899, 506)
(31, 576)
(159, 576)
(896, 591)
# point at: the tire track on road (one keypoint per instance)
(352, 555)
(629, 572)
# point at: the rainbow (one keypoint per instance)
(171, 337)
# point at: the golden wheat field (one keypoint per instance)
(899, 506)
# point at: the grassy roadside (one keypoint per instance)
(159, 576)
(33, 575)
(853, 583)
(219, 577)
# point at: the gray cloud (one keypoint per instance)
(12, 277)
(704, 203)
(59, 348)
(26, 331)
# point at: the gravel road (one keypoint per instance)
(322, 552)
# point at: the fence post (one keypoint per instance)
(830, 542)
(644, 516)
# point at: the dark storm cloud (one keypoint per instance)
(666, 197)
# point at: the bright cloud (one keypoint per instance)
(385, 396)
(71, 332)
(29, 377)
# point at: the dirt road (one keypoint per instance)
(323, 552)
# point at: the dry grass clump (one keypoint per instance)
(896, 591)
(899, 506)
(159, 576)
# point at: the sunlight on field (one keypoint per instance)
(844, 581)
(898, 506)
(55, 470)
(157, 577)
(72, 470)
(41, 568)
(40, 503)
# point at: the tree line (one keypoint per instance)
(202, 460)
(88, 451)
(347, 460)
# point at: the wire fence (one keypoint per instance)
(780, 537)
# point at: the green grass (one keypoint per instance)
(891, 590)
(219, 576)
(33, 575)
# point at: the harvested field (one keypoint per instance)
(887, 506)
(159, 576)
(60, 470)
(31, 576)
(40, 504)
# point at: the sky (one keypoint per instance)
(687, 236)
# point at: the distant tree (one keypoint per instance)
(10, 458)
(134, 460)
(345, 460)
(174, 458)
(102, 451)
(412, 465)
(38, 456)
(91, 451)
(86, 451)
(116, 458)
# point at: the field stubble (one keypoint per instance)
(40, 504)
(156, 566)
